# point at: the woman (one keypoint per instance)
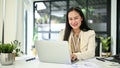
(80, 37)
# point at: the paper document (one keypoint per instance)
(86, 65)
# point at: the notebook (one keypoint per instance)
(53, 51)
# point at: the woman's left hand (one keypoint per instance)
(73, 57)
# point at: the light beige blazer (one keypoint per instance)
(87, 44)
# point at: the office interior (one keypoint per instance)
(30, 20)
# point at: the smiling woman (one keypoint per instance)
(80, 37)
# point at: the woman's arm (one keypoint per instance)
(89, 50)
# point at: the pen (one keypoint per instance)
(101, 59)
(30, 59)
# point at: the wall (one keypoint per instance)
(1, 5)
(10, 20)
(15, 20)
(113, 25)
(9, 15)
(20, 22)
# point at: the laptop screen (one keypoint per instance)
(53, 51)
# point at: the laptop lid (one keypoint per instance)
(53, 51)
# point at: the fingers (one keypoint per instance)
(73, 57)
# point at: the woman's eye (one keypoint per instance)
(70, 18)
(76, 18)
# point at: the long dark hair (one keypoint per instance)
(83, 27)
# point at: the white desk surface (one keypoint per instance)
(90, 63)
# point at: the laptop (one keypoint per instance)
(53, 51)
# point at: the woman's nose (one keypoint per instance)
(73, 21)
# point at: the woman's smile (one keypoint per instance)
(75, 24)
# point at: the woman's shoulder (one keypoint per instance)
(62, 31)
(61, 34)
(89, 32)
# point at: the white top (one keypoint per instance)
(86, 46)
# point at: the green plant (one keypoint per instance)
(105, 42)
(13, 47)
(17, 49)
(7, 48)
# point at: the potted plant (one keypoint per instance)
(105, 45)
(17, 49)
(7, 55)
(8, 51)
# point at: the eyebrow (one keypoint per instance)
(74, 17)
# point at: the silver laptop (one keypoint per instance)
(53, 51)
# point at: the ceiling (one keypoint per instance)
(61, 4)
(58, 5)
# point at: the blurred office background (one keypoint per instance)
(30, 20)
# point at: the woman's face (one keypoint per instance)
(74, 19)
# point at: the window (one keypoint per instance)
(50, 19)
(49, 16)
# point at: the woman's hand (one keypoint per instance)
(73, 57)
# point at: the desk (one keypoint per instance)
(90, 63)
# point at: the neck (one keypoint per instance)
(76, 32)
